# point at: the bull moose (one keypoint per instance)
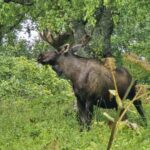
(91, 81)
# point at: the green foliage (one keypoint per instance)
(23, 78)
(139, 73)
(36, 107)
(42, 124)
(36, 112)
(14, 49)
(90, 7)
(58, 16)
(97, 48)
(131, 20)
(132, 26)
(10, 16)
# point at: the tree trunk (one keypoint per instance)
(105, 27)
(79, 30)
(103, 31)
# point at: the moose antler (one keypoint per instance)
(59, 40)
(56, 41)
(47, 36)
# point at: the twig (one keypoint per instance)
(130, 103)
(109, 117)
(117, 119)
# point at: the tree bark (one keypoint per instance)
(79, 30)
(103, 30)
(105, 27)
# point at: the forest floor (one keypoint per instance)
(50, 124)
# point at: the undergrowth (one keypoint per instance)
(37, 113)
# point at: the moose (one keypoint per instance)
(91, 81)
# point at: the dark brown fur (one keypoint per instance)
(91, 82)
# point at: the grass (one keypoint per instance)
(36, 113)
(50, 124)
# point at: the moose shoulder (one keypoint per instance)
(91, 82)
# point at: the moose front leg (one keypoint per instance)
(81, 112)
(84, 108)
(80, 107)
(85, 112)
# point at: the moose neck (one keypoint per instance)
(71, 66)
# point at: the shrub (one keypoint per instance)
(22, 77)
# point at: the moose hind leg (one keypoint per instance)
(139, 107)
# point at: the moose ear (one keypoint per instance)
(65, 48)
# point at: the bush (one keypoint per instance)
(138, 72)
(21, 77)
